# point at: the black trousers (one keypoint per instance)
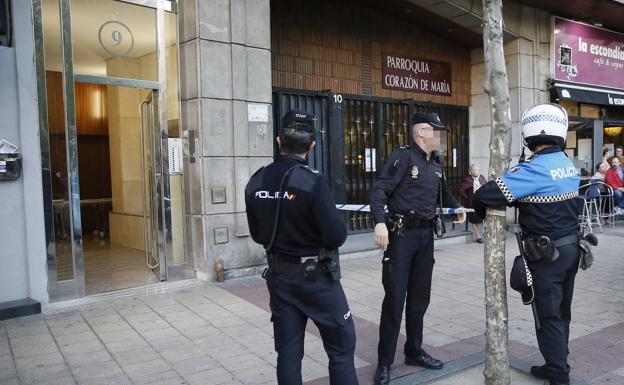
(554, 285)
(293, 301)
(407, 270)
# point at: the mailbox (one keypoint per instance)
(10, 166)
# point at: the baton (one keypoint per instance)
(538, 327)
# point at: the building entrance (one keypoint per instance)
(111, 145)
(355, 135)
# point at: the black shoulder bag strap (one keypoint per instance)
(440, 216)
(277, 207)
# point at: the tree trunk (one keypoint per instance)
(496, 370)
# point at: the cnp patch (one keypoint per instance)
(414, 172)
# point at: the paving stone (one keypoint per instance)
(45, 373)
(159, 334)
(141, 369)
(136, 355)
(112, 380)
(119, 335)
(97, 371)
(7, 372)
(171, 381)
(216, 376)
(125, 345)
(68, 338)
(82, 347)
(33, 350)
(181, 353)
(30, 340)
(195, 365)
(76, 360)
(40, 360)
(65, 380)
(156, 377)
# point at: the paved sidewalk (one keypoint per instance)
(221, 334)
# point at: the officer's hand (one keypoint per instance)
(381, 236)
(461, 218)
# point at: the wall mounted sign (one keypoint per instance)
(588, 55)
(405, 73)
(116, 38)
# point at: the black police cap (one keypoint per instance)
(430, 118)
(299, 120)
(521, 280)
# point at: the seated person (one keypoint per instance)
(614, 178)
(601, 171)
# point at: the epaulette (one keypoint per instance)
(311, 170)
(405, 147)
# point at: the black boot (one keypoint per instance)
(542, 373)
(382, 375)
(424, 360)
(538, 372)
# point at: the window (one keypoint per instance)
(6, 30)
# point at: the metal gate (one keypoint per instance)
(355, 135)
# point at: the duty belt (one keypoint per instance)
(308, 266)
(543, 248)
(408, 221)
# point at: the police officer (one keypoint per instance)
(299, 283)
(544, 189)
(412, 184)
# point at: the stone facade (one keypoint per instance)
(226, 114)
(230, 58)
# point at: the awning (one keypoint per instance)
(586, 94)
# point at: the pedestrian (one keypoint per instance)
(469, 185)
(413, 185)
(606, 154)
(291, 212)
(544, 189)
(614, 177)
(619, 153)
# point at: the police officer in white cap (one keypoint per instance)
(544, 189)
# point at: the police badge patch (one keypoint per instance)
(414, 172)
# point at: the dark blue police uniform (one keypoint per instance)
(544, 189)
(409, 184)
(308, 222)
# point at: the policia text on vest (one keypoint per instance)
(544, 189)
(303, 274)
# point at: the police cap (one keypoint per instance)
(521, 280)
(299, 120)
(430, 118)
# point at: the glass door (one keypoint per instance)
(108, 84)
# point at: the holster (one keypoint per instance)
(329, 259)
(540, 247)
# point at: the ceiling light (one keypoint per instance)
(613, 131)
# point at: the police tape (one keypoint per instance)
(366, 209)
